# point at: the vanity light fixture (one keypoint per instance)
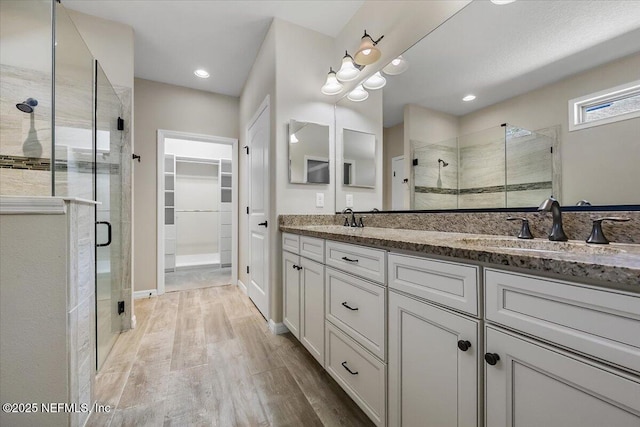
(375, 82)
(358, 94)
(397, 66)
(332, 86)
(348, 71)
(293, 138)
(203, 74)
(367, 53)
(501, 2)
(469, 98)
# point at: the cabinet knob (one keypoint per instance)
(491, 358)
(464, 345)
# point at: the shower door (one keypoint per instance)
(108, 192)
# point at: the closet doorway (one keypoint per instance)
(197, 211)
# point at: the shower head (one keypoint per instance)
(27, 106)
(444, 164)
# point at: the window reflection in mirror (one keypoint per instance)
(308, 153)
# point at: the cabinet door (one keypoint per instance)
(533, 385)
(312, 326)
(432, 382)
(291, 292)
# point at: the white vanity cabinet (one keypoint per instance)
(303, 291)
(531, 383)
(434, 352)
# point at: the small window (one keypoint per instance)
(607, 106)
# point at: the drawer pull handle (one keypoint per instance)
(297, 267)
(344, 365)
(344, 304)
(349, 259)
(464, 345)
(491, 358)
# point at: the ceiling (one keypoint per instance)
(498, 52)
(175, 37)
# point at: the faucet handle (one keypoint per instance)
(597, 235)
(525, 231)
(361, 223)
(346, 221)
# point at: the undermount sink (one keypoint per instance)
(538, 245)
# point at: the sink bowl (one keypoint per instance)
(538, 245)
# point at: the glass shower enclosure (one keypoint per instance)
(60, 135)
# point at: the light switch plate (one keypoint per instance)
(350, 200)
(319, 200)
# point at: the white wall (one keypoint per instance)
(300, 72)
(168, 107)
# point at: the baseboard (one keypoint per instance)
(242, 287)
(277, 328)
(145, 294)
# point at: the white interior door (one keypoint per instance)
(258, 143)
(397, 189)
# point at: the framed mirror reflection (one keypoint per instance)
(309, 161)
(489, 112)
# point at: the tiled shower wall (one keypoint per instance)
(485, 170)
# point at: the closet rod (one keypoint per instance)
(196, 210)
(213, 162)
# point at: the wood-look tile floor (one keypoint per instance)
(196, 278)
(206, 357)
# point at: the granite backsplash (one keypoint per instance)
(577, 225)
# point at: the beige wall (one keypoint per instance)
(163, 106)
(111, 43)
(392, 146)
(600, 163)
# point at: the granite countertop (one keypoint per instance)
(614, 265)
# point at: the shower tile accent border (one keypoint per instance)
(577, 225)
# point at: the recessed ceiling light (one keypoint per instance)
(501, 2)
(203, 74)
(469, 98)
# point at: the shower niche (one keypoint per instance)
(501, 167)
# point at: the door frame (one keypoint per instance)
(395, 159)
(264, 105)
(162, 135)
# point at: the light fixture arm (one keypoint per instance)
(375, 42)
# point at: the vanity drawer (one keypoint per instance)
(312, 248)
(358, 308)
(366, 383)
(447, 283)
(364, 262)
(291, 242)
(601, 323)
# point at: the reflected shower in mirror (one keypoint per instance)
(308, 153)
(524, 64)
(358, 159)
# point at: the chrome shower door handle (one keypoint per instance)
(108, 224)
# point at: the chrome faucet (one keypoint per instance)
(557, 233)
(348, 223)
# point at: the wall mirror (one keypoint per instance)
(308, 153)
(358, 159)
(523, 62)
